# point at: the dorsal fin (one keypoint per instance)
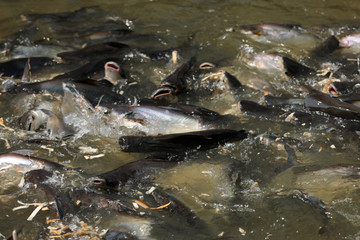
(327, 47)
(26, 77)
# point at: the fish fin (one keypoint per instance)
(26, 77)
(60, 208)
(327, 47)
(291, 161)
(294, 69)
(233, 82)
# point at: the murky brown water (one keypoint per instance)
(229, 188)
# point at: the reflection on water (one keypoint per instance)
(240, 190)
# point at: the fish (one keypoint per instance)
(93, 52)
(130, 172)
(37, 50)
(253, 107)
(88, 70)
(100, 201)
(174, 83)
(87, 27)
(276, 64)
(225, 82)
(120, 233)
(95, 91)
(55, 127)
(165, 94)
(176, 206)
(273, 100)
(327, 47)
(98, 37)
(345, 91)
(34, 119)
(272, 32)
(311, 201)
(27, 163)
(40, 180)
(158, 118)
(295, 69)
(26, 34)
(297, 116)
(350, 44)
(113, 73)
(260, 84)
(15, 68)
(318, 101)
(338, 89)
(291, 161)
(181, 142)
(336, 181)
(177, 79)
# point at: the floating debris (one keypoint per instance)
(94, 156)
(39, 206)
(4, 126)
(147, 207)
(88, 150)
(242, 231)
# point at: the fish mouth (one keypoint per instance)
(113, 66)
(207, 65)
(162, 91)
(332, 91)
(97, 181)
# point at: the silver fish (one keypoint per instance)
(33, 120)
(25, 163)
(154, 119)
(279, 33)
(42, 118)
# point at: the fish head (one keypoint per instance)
(112, 72)
(33, 120)
(165, 93)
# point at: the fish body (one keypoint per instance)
(100, 201)
(15, 67)
(273, 100)
(350, 44)
(39, 178)
(131, 171)
(93, 90)
(26, 163)
(278, 33)
(180, 142)
(166, 119)
(350, 41)
(92, 51)
(317, 101)
(49, 51)
(275, 64)
(327, 47)
(96, 37)
(34, 119)
(89, 69)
